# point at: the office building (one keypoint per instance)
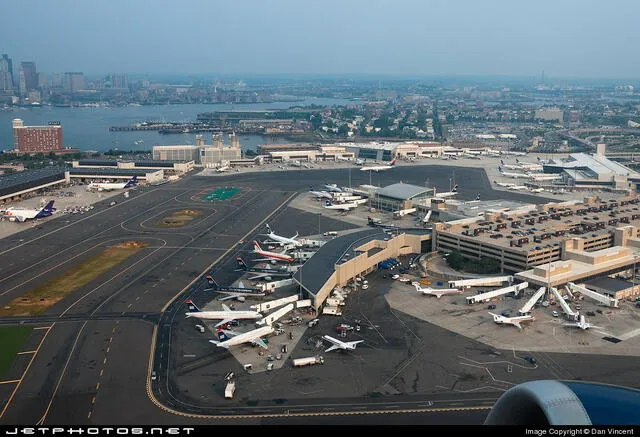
(118, 81)
(28, 69)
(73, 82)
(6, 73)
(36, 139)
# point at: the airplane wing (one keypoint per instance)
(572, 324)
(226, 308)
(334, 347)
(517, 324)
(259, 342)
(223, 322)
(231, 296)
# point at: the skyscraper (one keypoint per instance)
(30, 75)
(6, 73)
(73, 82)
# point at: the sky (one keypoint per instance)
(563, 38)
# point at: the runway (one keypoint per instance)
(92, 367)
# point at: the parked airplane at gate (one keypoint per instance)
(582, 324)
(453, 192)
(264, 273)
(379, 167)
(320, 194)
(254, 337)
(346, 207)
(271, 256)
(515, 321)
(109, 186)
(226, 316)
(513, 175)
(332, 188)
(222, 169)
(437, 292)
(22, 214)
(337, 344)
(233, 292)
(283, 240)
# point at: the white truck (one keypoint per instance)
(301, 362)
(230, 389)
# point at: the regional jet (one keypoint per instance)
(513, 175)
(271, 256)
(582, 324)
(515, 321)
(453, 192)
(226, 316)
(437, 292)
(264, 273)
(320, 194)
(222, 169)
(108, 186)
(337, 344)
(345, 207)
(332, 188)
(233, 292)
(379, 167)
(22, 214)
(254, 337)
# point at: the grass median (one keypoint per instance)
(11, 340)
(37, 300)
(178, 218)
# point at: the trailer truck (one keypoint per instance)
(301, 362)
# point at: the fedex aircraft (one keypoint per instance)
(271, 256)
(437, 292)
(582, 324)
(283, 240)
(379, 167)
(22, 214)
(226, 316)
(109, 186)
(254, 337)
(515, 321)
(337, 344)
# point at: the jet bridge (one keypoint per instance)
(526, 309)
(481, 282)
(276, 315)
(484, 297)
(606, 300)
(273, 304)
(565, 306)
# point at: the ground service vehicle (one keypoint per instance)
(301, 362)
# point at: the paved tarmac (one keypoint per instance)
(92, 365)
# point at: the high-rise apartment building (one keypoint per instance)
(118, 81)
(73, 82)
(36, 139)
(6, 73)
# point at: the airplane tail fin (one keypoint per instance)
(47, 210)
(392, 163)
(327, 203)
(455, 188)
(133, 181)
(211, 281)
(478, 196)
(269, 229)
(241, 264)
(192, 306)
(256, 246)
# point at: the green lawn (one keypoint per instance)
(11, 339)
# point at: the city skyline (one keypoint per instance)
(570, 39)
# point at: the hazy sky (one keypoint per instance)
(565, 38)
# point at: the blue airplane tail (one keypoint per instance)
(47, 210)
(132, 182)
(192, 306)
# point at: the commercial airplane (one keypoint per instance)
(337, 344)
(346, 207)
(332, 188)
(254, 337)
(537, 190)
(515, 321)
(582, 324)
(233, 292)
(360, 161)
(22, 214)
(283, 240)
(264, 273)
(517, 188)
(222, 169)
(226, 316)
(546, 177)
(504, 184)
(109, 186)
(437, 292)
(320, 194)
(513, 175)
(379, 167)
(271, 256)
(451, 193)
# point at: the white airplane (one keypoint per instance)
(453, 192)
(332, 188)
(231, 338)
(321, 194)
(515, 321)
(346, 207)
(582, 324)
(513, 175)
(537, 190)
(337, 344)
(437, 292)
(265, 273)
(238, 292)
(504, 184)
(226, 316)
(546, 177)
(292, 241)
(22, 214)
(271, 256)
(360, 161)
(108, 186)
(471, 156)
(517, 188)
(222, 169)
(380, 167)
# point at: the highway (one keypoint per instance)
(92, 363)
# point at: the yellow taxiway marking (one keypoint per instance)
(27, 352)
(10, 382)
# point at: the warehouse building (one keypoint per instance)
(18, 185)
(169, 167)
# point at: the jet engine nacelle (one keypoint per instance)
(551, 402)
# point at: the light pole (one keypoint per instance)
(319, 223)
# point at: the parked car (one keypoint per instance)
(491, 307)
